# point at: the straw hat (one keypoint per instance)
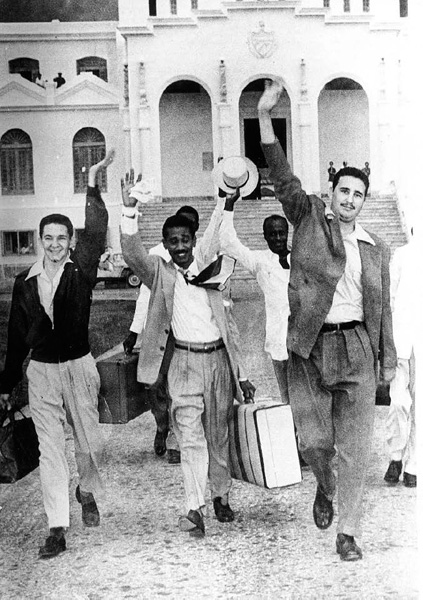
(236, 172)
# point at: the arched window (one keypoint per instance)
(17, 175)
(26, 67)
(89, 147)
(92, 64)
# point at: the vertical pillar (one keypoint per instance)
(147, 166)
(304, 124)
(386, 167)
(224, 116)
(126, 119)
(144, 123)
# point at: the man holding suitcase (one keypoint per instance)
(49, 316)
(191, 323)
(340, 325)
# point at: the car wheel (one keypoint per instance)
(133, 280)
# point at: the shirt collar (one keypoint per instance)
(193, 268)
(362, 235)
(38, 267)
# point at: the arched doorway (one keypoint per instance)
(343, 111)
(250, 133)
(186, 141)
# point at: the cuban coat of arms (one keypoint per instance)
(262, 43)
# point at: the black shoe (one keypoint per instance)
(193, 523)
(347, 548)
(54, 544)
(160, 442)
(173, 457)
(322, 510)
(409, 480)
(90, 514)
(223, 512)
(393, 473)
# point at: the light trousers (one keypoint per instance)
(332, 395)
(60, 392)
(401, 421)
(200, 386)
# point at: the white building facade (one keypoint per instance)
(174, 85)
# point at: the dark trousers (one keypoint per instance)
(332, 395)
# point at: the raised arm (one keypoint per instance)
(208, 245)
(287, 187)
(92, 240)
(229, 241)
(133, 249)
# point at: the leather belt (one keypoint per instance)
(206, 348)
(339, 326)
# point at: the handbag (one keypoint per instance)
(19, 452)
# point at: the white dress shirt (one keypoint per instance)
(273, 280)
(205, 251)
(192, 318)
(46, 287)
(347, 304)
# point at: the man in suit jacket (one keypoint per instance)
(339, 327)
(188, 326)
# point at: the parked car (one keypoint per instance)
(112, 267)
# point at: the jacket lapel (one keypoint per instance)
(371, 258)
(168, 287)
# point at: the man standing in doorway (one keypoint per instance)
(340, 325)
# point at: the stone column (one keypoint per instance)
(126, 118)
(224, 115)
(144, 124)
(304, 169)
(386, 170)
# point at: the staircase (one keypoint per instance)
(379, 216)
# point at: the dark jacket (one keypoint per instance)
(30, 329)
(317, 262)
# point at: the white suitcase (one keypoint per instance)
(263, 448)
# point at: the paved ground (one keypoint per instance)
(273, 549)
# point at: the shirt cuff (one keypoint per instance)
(228, 216)
(129, 220)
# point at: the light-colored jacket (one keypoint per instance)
(160, 277)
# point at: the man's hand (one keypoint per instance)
(5, 403)
(126, 186)
(387, 374)
(270, 97)
(230, 200)
(103, 164)
(248, 391)
(129, 342)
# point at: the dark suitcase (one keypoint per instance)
(122, 398)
